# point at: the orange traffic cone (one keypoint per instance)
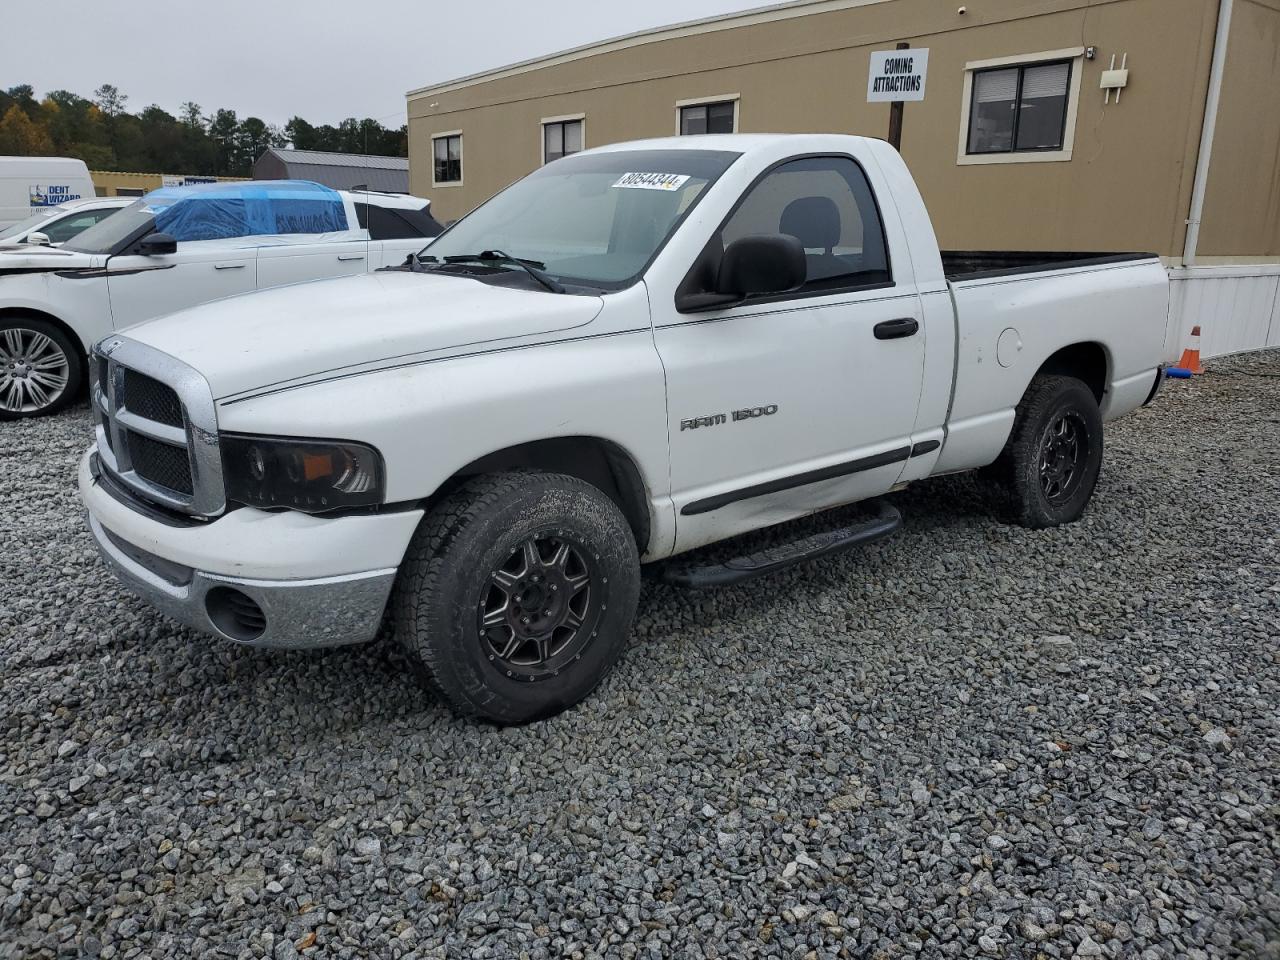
(1191, 356)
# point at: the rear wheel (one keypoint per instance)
(40, 369)
(1054, 455)
(516, 595)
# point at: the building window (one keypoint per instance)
(130, 192)
(446, 149)
(1019, 109)
(709, 117)
(561, 136)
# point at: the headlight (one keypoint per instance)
(308, 475)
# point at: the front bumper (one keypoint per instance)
(262, 579)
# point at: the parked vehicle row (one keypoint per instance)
(175, 248)
(634, 352)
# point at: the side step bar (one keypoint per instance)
(886, 520)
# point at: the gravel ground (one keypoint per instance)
(968, 740)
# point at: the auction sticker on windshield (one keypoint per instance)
(651, 181)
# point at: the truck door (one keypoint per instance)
(786, 404)
(143, 287)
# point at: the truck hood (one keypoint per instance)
(302, 332)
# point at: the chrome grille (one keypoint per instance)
(157, 427)
(149, 398)
(159, 462)
(104, 425)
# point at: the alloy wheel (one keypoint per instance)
(540, 609)
(1063, 450)
(34, 370)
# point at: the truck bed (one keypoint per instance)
(962, 265)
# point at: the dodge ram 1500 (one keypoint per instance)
(634, 352)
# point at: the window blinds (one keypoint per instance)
(1049, 80)
(994, 86)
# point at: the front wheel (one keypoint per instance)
(516, 595)
(1054, 455)
(40, 369)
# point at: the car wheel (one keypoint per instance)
(40, 369)
(1054, 455)
(516, 595)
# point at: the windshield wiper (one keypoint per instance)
(532, 267)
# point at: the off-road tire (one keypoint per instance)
(1021, 470)
(19, 328)
(447, 574)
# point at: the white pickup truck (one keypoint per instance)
(174, 248)
(632, 353)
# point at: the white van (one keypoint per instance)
(31, 184)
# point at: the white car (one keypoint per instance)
(636, 351)
(175, 248)
(54, 226)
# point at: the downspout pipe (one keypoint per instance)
(1206, 132)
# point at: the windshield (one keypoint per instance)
(23, 226)
(593, 219)
(106, 235)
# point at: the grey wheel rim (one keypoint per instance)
(1064, 451)
(539, 610)
(34, 370)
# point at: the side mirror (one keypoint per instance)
(157, 243)
(38, 239)
(762, 263)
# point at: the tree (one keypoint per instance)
(102, 132)
(350, 139)
(162, 138)
(300, 133)
(23, 95)
(223, 127)
(110, 100)
(20, 137)
(72, 119)
(192, 118)
(197, 153)
(252, 139)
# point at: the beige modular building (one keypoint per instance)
(112, 183)
(1122, 125)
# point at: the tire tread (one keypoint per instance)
(1012, 467)
(424, 564)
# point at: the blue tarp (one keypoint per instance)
(221, 211)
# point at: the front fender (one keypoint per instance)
(431, 419)
(74, 299)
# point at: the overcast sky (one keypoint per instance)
(322, 60)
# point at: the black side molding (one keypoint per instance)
(925, 446)
(707, 504)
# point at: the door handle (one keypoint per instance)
(351, 256)
(228, 266)
(894, 329)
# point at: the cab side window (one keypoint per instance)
(75, 224)
(827, 204)
(397, 224)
